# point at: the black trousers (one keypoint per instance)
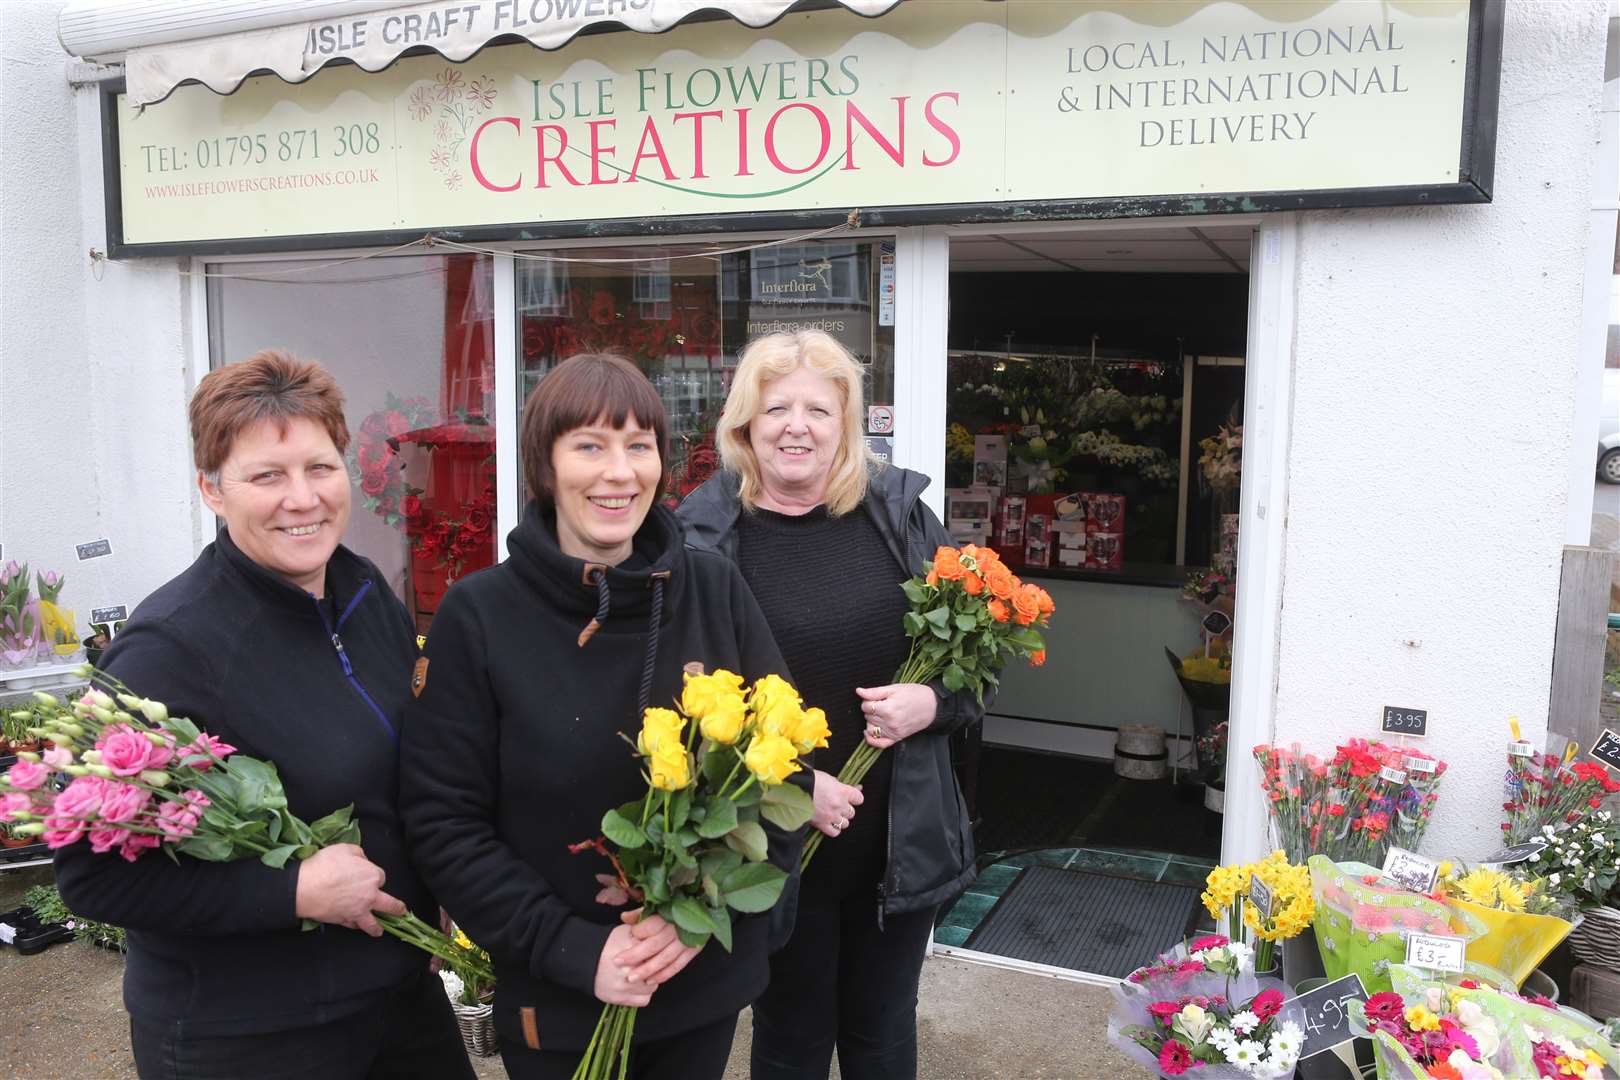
(841, 983)
(699, 1054)
(410, 1034)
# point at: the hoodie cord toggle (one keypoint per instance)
(596, 574)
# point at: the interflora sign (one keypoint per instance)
(932, 108)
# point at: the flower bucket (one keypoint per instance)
(477, 1024)
(1597, 938)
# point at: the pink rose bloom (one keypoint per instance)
(137, 844)
(58, 757)
(207, 748)
(28, 775)
(123, 802)
(81, 799)
(127, 753)
(161, 755)
(14, 802)
(103, 838)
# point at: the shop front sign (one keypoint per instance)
(950, 110)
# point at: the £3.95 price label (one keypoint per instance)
(1437, 952)
(1401, 721)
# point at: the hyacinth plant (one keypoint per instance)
(693, 849)
(969, 612)
(133, 779)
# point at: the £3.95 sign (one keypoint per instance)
(928, 105)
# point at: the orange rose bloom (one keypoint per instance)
(1045, 600)
(948, 564)
(999, 612)
(932, 579)
(1036, 659)
(973, 584)
(1000, 579)
(1026, 607)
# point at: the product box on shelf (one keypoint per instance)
(1105, 513)
(990, 461)
(1074, 558)
(976, 503)
(1105, 551)
(1069, 534)
(1037, 541)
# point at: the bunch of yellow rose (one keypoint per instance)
(694, 849)
(1225, 897)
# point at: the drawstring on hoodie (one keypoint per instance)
(596, 574)
(653, 621)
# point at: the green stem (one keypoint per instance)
(730, 775)
(742, 787)
(646, 808)
(629, 1032)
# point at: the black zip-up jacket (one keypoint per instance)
(930, 837)
(215, 948)
(512, 752)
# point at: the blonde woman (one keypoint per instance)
(824, 537)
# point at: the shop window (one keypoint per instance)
(411, 342)
(683, 316)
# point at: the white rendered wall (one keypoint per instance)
(1434, 374)
(93, 373)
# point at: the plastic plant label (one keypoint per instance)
(1437, 952)
(1520, 748)
(1260, 897)
(1411, 872)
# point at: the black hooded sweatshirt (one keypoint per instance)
(253, 660)
(513, 753)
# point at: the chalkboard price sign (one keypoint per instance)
(1607, 748)
(117, 613)
(1260, 897)
(95, 549)
(1516, 854)
(1399, 721)
(1327, 1014)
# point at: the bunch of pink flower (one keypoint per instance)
(125, 776)
(1353, 806)
(107, 778)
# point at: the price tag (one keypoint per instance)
(1520, 748)
(1518, 853)
(1394, 776)
(1607, 748)
(1409, 871)
(95, 549)
(1260, 897)
(109, 615)
(1419, 764)
(1400, 721)
(1327, 1014)
(1437, 952)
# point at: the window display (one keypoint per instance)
(684, 314)
(411, 342)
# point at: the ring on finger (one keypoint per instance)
(877, 731)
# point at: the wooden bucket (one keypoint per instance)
(1140, 753)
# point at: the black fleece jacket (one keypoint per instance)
(512, 752)
(252, 659)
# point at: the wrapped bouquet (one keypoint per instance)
(1200, 1009)
(1225, 897)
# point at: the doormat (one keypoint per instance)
(1086, 921)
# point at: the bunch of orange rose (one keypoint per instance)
(968, 613)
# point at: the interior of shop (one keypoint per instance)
(1094, 410)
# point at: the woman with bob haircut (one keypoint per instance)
(512, 751)
(801, 505)
(283, 643)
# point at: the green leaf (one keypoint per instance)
(914, 624)
(720, 918)
(680, 807)
(787, 806)
(720, 817)
(323, 829)
(916, 591)
(258, 786)
(966, 622)
(753, 888)
(277, 857)
(622, 831)
(655, 884)
(940, 616)
(953, 678)
(211, 848)
(748, 838)
(710, 890)
(690, 915)
(683, 837)
(691, 940)
(719, 861)
(746, 799)
(183, 730)
(683, 876)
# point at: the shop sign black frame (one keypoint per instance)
(1475, 180)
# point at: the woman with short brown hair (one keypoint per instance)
(289, 647)
(512, 752)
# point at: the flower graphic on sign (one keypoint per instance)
(453, 104)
